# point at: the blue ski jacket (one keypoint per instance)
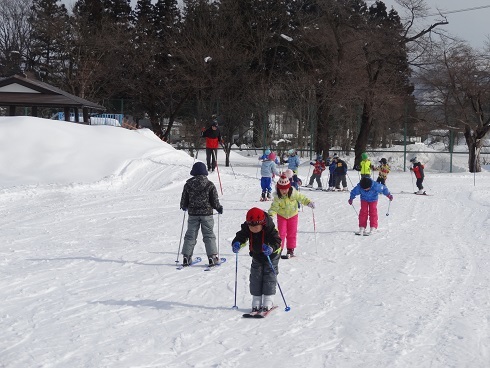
(370, 195)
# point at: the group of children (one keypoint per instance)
(265, 242)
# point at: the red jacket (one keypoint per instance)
(213, 137)
(418, 170)
(319, 167)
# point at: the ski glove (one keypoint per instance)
(267, 249)
(350, 201)
(220, 210)
(390, 197)
(184, 209)
(312, 163)
(235, 247)
(311, 205)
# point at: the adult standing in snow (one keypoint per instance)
(369, 190)
(213, 140)
(199, 198)
(263, 240)
(418, 170)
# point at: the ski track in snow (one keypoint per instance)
(89, 278)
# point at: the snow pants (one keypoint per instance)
(368, 209)
(340, 178)
(211, 155)
(419, 183)
(206, 223)
(331, 180)
(318, 178)
(288, 231)
(262, 280)
(265, 184)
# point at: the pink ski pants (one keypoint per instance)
(368, 209)
(288, 231)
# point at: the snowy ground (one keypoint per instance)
(89, 231)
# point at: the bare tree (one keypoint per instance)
(458, 80)
(15, 35)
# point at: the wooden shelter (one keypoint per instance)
(21, 91)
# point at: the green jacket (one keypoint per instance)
(365, 167)
(286, 206)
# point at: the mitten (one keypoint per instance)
(235, 247)
(184, 209)
(267, 249)
(350, 201)
(220, 210)
(390, 197)
(311, 205)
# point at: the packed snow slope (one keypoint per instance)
(90, 227)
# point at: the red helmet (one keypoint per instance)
(255, 216)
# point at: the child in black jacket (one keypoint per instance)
(261, 234)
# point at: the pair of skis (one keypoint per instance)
(259, 314)
(198, 260)
(416, 193)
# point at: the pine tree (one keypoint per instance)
(50, 32)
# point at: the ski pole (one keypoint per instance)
(195, 157)
(411, 175)
(218, 235)
(180, 242)
(217, 169)
(229, 161)
(349, 179)
(288, 308)
(232, 170)
(354, 209)
(314, 229)
(236, 279)
(388, 212)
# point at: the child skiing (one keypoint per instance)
(331, 178)
(263, 240)
(293, 179)
(365, 166)
(418, 170)
(199, 197)
(319, 168)
(293, 162)
(266, 154)
(369, 190)
(340, 173)
(267, 171)
(285, 206)
(384, 170)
